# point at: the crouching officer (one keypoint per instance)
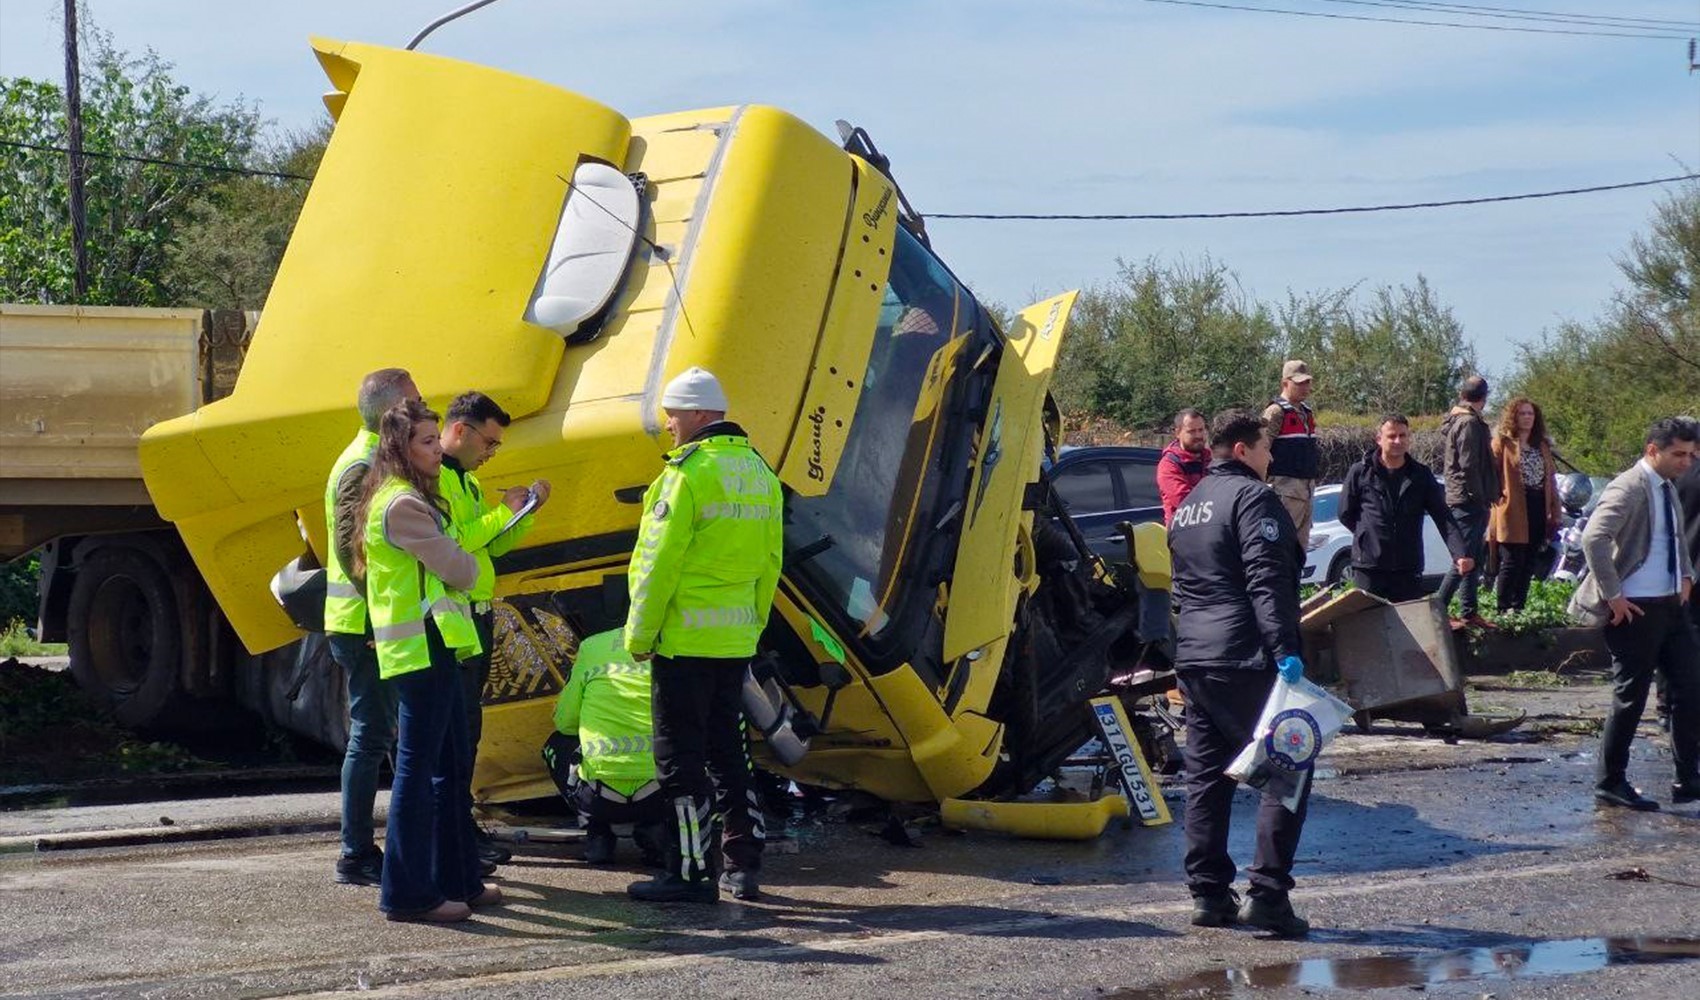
(603, 717)
(701, 584)
(1236, 580)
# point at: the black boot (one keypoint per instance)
(687, 878)
(1215, 909)
(1275, 916)
(599, 844)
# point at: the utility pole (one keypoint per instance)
(74, 135)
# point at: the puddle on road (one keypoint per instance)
(1543, 958)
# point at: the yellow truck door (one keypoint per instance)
(1007, 460)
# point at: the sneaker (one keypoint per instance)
(599, 847)
(1275, 916)
(741, 884)
(673, 889)
(1216, 909)
(1625, 796)
(1685, 791)
(364, 869)
(449, 911)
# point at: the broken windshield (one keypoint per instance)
(851, 544)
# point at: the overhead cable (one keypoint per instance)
(176, 164)
(1519, 14)
(1402, 20)
(1281, 213)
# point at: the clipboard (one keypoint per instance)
(525, 508)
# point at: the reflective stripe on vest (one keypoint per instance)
(400, 593)
(345, 609)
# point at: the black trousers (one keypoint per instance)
(1222, 707)
(701, 751)
(474, 674)
(1660, 641)
(1517, 559)
(1395, 587)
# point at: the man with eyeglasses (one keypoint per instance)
(472, 433)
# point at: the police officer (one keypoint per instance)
(702, 581)
(371, 705)
(472, 433)
(1236, 581)
(603, 719)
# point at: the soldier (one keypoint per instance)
(1295, 459)
(702, 582)
(1236, 581)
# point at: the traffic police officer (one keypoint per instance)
(371, 705)
(472, 432)
(1236, 581)
(701, 583)
(603, 718)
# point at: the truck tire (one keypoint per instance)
(125, 636)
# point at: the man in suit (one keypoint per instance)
(1640, 579)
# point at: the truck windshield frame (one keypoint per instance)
(855, 549)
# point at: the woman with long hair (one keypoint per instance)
(1527, 512)
(414, 574)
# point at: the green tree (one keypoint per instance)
(1402, 350)
(1602, 383)
(135, 210)
(1165, 336)
(228, 247)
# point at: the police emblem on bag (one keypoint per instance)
(1294, 740)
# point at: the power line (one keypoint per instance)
(1401, 20)
(1168, 216)
(1482, 10)
(177, 164)
(1278, 213)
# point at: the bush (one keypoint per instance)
(19, 581)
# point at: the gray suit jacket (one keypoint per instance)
(1616, 541)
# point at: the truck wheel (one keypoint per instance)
(125, 635)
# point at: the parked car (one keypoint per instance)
(1329, 558)
(1104, 485)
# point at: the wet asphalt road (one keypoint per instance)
(1412, 848)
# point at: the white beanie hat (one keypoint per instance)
(694, 389)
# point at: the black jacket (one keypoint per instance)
(1688, 492)
(1384, 511)
(1236, 573)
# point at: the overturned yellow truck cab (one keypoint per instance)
(939, 627)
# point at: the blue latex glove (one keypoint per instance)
(1291, 669)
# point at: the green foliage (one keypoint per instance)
(18, 582)
(1536, 679)
(154, 758)
(1547, 609)
(15, 640)
(232, 238)
(135, 210)
(1162, 337)
(1402, 350)
(1166, 336)
(1602, 383)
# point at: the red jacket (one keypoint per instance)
(1178, 471)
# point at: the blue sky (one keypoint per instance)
(1090, 106)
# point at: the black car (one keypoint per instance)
(1104, 485)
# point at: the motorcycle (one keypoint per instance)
(1574, 491)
